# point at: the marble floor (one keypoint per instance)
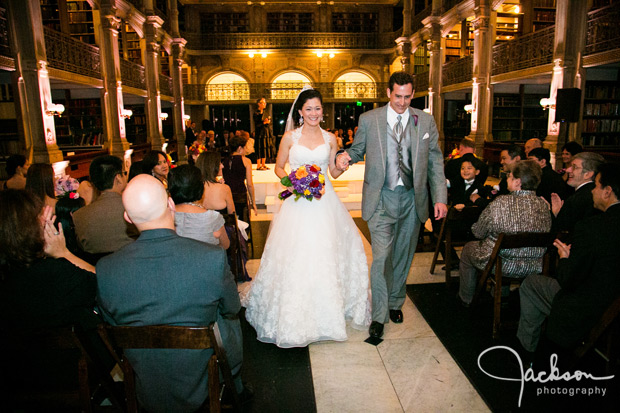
(410, 371)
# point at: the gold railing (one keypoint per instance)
(530, 50)
(132, 74)
(165, 85)
(252, 41)
(281, 91)
(66, 53)
(420, 81)
(603, 29)
(457, 71)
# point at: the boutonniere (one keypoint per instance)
(415, 120)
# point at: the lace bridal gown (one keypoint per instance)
(313, 275)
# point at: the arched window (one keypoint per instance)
(355, 85)
(228, 86)
(288, 85)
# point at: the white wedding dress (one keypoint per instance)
(313, 275)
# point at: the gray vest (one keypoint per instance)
(399, 157)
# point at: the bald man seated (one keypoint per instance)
(162, 278)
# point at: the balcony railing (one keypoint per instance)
(531, 50)
(603, 29)
(165, 85)
(66, 53)
(132, 74)
(420, 81)
(253, 41)
(457, 71)
(281, 91)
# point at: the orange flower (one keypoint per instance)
(301, 173)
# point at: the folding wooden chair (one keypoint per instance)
(468, 215)
(607, 327)
(493, 271)
(91, 374)
(119, 338)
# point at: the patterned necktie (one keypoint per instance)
(398, 128)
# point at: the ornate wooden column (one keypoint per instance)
(152, 25)
(176, 69)
(435, 101)
(482, 93)
(404, 51)
(568, 72)
(33, 93)
(112, 92)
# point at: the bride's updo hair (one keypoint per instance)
(303, 97)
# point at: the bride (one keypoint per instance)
(313, 275)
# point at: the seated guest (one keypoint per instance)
(16, 169)
(550, 182)
(579, 205)
(101, 227)
(217, 195)
(520, 211)
(467, 183)
(66, 206)
(165, 279)
(210, 142)
(87, 192)
(587, 275)
(42, 285)
(452, 168)
(191, 218)
(135, 169)
(156, 164)
(508, 157)
(40, 181)
(532, 144)
(569, 150)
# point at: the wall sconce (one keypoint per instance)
(251, 55)
(186, 117)
(54, 109)
(163, 116)
(319, 54)
(126, 113)
(264, 54)
(427, 110)
(469, 108)
(547, 103)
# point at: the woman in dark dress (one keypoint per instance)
(237, 173)
(262, 135)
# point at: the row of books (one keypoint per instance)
(602, 109)
(601, 125)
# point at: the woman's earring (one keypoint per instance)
(322, 118)
(301, 121)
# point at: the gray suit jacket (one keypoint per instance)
(371, 140)
(162, 278)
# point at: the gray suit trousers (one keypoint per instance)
(394, 228)
(536, 295)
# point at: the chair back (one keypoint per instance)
(493, 271)
(119, 338)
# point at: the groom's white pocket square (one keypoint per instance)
(426, 136)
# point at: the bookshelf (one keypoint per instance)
(224, 23)
(80, 124)
(132, 50)
(457, 122)
(135, 126)
(80, 21)
(421, 60)
(518, 116)
(355, 22)
(454, 43)
(50, 14)
(290, 22)
(601, 114)
(543, 14)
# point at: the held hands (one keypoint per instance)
(563, 249)
(441, 210)
(342, 161)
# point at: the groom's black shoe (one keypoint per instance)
(396, 316)
(376, 329)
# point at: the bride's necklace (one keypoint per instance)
(194, 204)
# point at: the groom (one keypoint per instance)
(402, 157)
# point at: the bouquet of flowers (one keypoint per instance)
(197, 148)
(170, 164)
(307, 181)
(66, 186)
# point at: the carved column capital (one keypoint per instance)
(110, 22)
(481, 22)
